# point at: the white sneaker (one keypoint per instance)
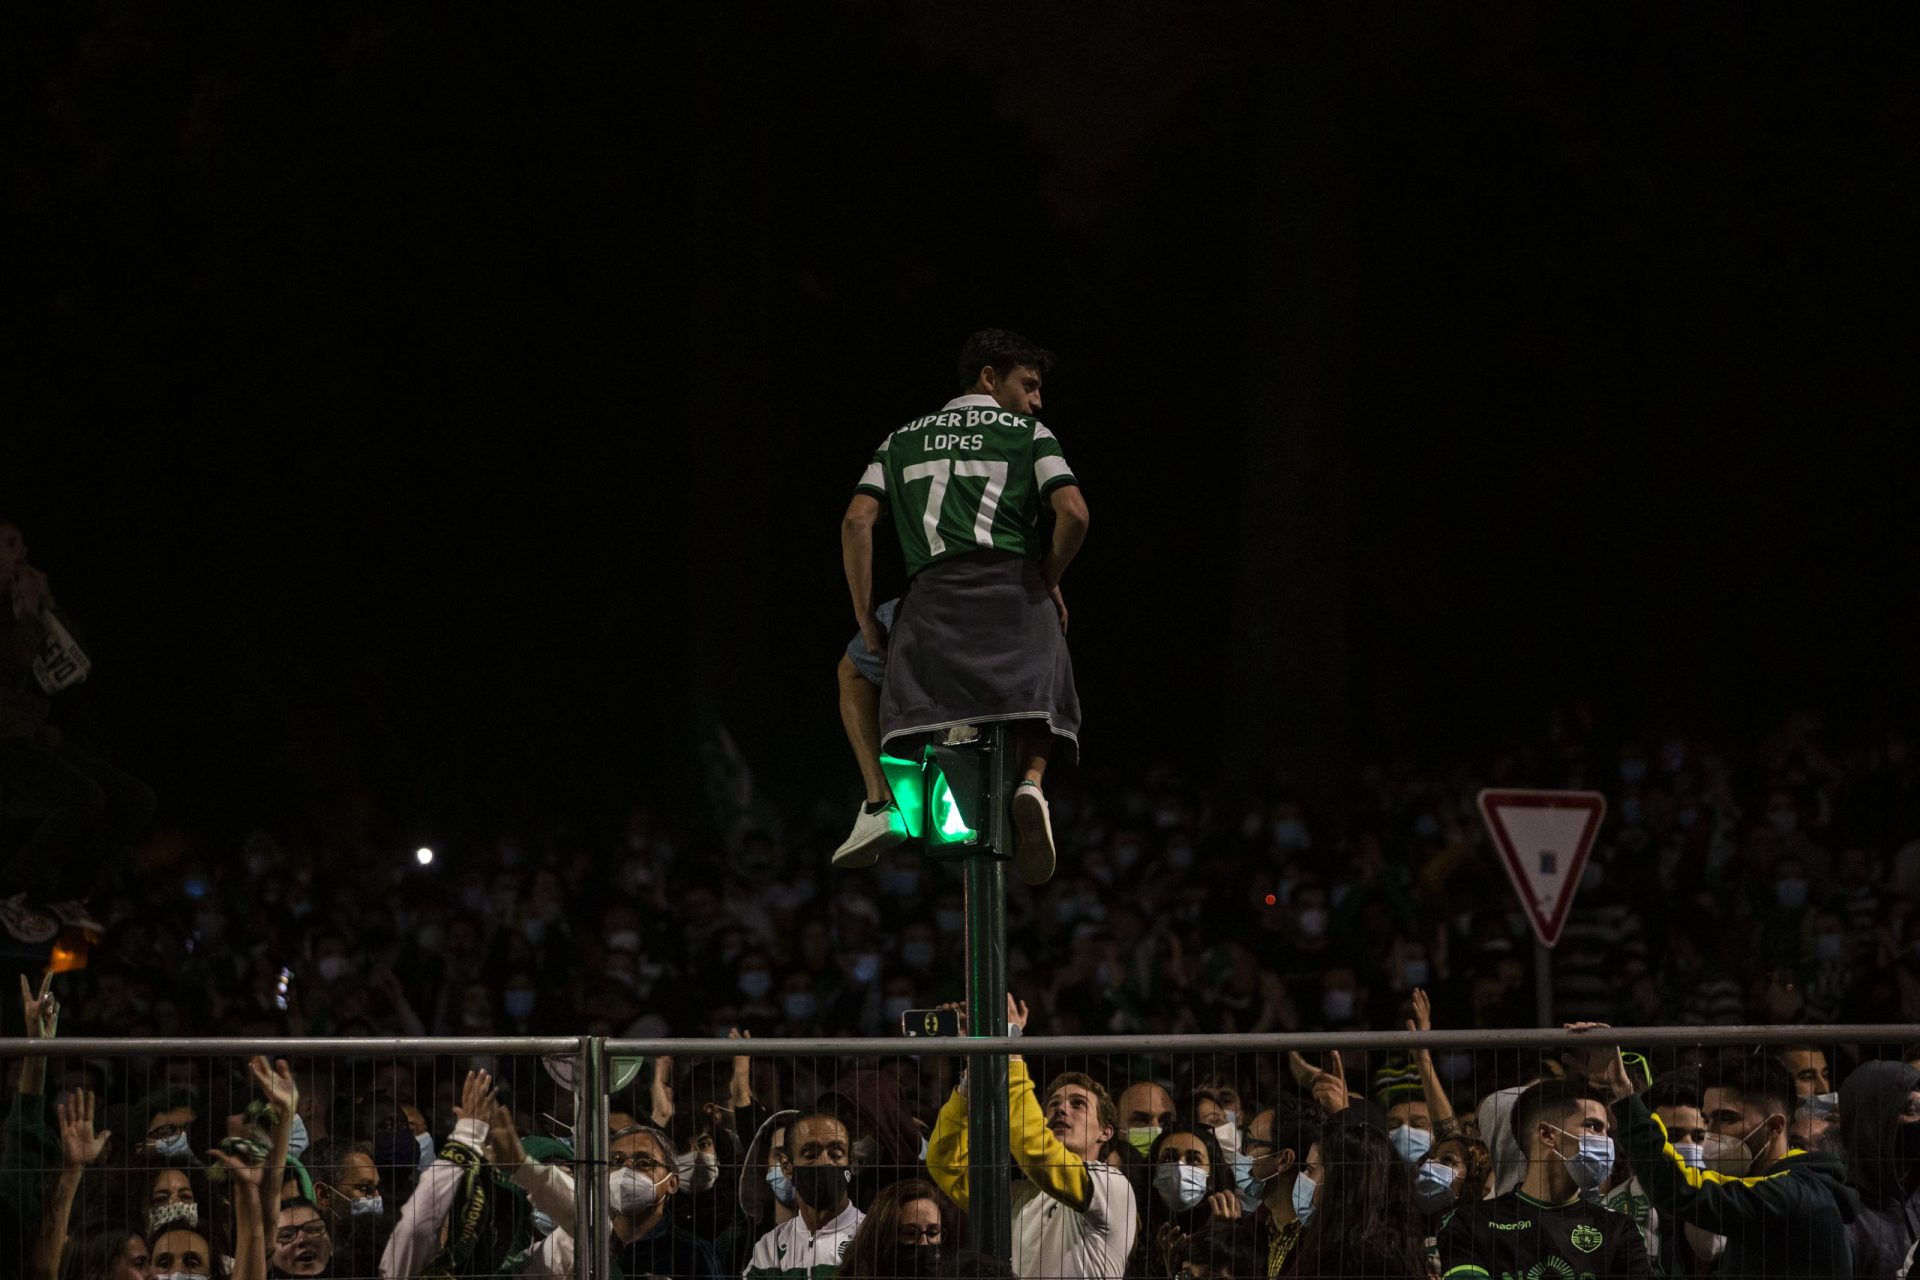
(1033, 840)
(873, 833)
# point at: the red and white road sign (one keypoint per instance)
(1544, 838)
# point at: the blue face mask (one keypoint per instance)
(424, 1141)
(297, 1138)
(175, 1147)
(542, 1225)
(1303, 1190)
(1590, 1165)
(1412, 1144)
(781, 1184)
(370, 1207)
(1433, 1186)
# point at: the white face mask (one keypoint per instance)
(181, 1213)
(1228, 1136)
(632, 1192)
(699, 1170)
(1180, 1186)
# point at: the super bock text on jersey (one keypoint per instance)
(1515, 1237)
(971, 477)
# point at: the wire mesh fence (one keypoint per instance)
(1688, 1151)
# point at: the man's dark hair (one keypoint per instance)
(971, 1264)
(1758, 1080)
(1225, 1246)
(1550, 1100)
(1296, 1119)
(1675, 1089)
(1003, 349)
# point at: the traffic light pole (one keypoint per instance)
(989, 1149)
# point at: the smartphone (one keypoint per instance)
(280, 988)
(930, 1022)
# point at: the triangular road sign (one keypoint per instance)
(1544, 838)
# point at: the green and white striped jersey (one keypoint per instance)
(969, 477)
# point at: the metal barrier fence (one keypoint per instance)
(1148, 1157)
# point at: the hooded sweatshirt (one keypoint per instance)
(1788, 1222)
(1883, 1164)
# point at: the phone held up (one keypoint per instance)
(930, 1022)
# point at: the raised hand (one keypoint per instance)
(478, 1099)
(740, 1087)
(276, 1085)
(1422, 1019)
(503, 1140)
(239, 1168)
(959, 1008)
(42, 1010)
(80, 1146)
(662, 1090)
(1225, 1205)
(1016, 1012)
(1600, 1065)
(1329, 1087)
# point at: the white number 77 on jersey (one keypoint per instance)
(938, 472)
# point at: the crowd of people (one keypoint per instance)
(1738, 1160)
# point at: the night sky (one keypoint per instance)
(453, 405)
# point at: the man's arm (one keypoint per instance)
(856, 557)
(947, 1148)
(1041, 1156)
(1069, 531)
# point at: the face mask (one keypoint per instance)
(425, 1142)
(896, 1009)
(698, 1170)
(1691, 1154)
(1433, 1186)
(798, 1004)
(1337, 1005)
(519, 1005)
(1591, 1163)
(918, 954)
(1180, 1186)
(163, 1217)
(781, 1184)
(633, 1192)
(333, 968)
(1141, 1139)
(1312, 921)
(297, 1138)
(371, 1207)
(627, 940)
(866, 968)
(820, 1186)
(1412, 1144)
(1228, 1136)
(1791, 894)
(755, 983)
(542, 1225)
(174, 1148)
(912, 1261)
(174, 1275)
(1822, 1105)
(1757, 1140)
(1303, 1190)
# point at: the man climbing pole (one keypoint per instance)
(980, 634)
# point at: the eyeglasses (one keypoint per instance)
(161, 1132)
(910, 1234)
(315, 1230)
(634, 1160)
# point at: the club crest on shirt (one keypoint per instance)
(1586, 1239)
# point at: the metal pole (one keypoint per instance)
(593, 1224)
(1542, 985)
(989, 1149)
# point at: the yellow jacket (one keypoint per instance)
(1042, 1157)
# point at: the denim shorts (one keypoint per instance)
(873, 666)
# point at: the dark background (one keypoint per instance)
(450, 407)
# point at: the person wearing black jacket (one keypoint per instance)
(1787, 1216)
(1548, 1225)
(1880, 1131)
